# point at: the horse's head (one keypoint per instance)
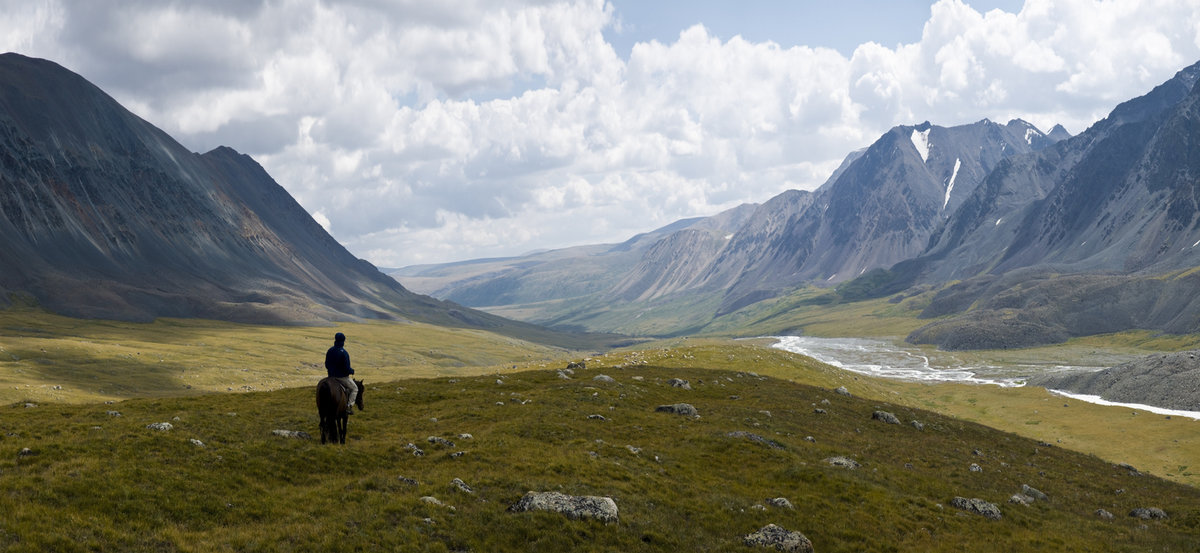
(358, 401)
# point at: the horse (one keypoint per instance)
(331, 405)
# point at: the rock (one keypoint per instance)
(975, 468)
(439, 441)
(160, 426)
(1021, 499)
(417, 452)
(1148, 513)
(457, 454)
(755, 438)
(432, 501)
(597, 418)
(26, 452)
(461, 486)
(465, 436)
(885, 416)
(679, 383)
(685, 409)
(114, 413)
(196, 442)
(603, 509)
(30, 405)
(1034, 493)
(603, 378)
(408, 481)
(819, 411)
(572, 366)
(633, 450)
(297, 434)
(918, 425)
(781, 502)
(975, 505)
(842, 391)
(843, 462)
(1104, 514)
(564, 375)
(780, 539)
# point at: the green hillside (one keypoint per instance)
(93, 476)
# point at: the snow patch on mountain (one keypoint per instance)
(950, 186)
(1030, 134)
(920, 140)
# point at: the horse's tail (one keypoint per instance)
(327, 408)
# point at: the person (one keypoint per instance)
(337, 364)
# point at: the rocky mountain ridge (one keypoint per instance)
(106, 216)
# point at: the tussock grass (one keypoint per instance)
(101, 482)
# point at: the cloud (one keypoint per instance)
(432, 131)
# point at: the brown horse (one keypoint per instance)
(331, 405)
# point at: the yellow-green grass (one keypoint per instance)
(45, 357)
(95, 481)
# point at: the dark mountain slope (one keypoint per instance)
(106, 216)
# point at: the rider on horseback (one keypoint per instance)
(337, 363)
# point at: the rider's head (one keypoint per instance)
(339, 339)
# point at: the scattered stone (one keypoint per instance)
(581, 365)
(461, 486)
(810, 439)
(975, 505)
(1148, 513)
(781, 502)
(918, 425)
(679, 383)
(758, 507)
(603, 378)
(408, 481)
(1034, 493)
(842, 391)
(297, 434)
(564, 375)
(975, 468)
(603, 509)
(885, 416)
(457, 454)
(1021, 499)
(499, 381)
(765, 413)
(1128, 467)
(819, 411)
(439, 441)
(416, 451)
(638, 378)
(160, 426)
(976, 453)
(1104, 514)
(843, 462)
(755, 438)
(465, 436)
(26, 452)
(685, 409)
(773, 536)
(114, 413)
(196, 442)
(432, 501)
(30, 405)
(597, 417)
(633, 450)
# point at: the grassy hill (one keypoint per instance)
(80, 477)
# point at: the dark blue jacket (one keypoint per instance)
(337, 362)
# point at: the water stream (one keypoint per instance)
(887, 359)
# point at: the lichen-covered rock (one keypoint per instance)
(842, 391)
(679, 383)
(977, 506)
(780, 502)
(1148, 513)
(1104, 514)
(297, 434)
(461, 486)
(685, 409)
(843, 462)
(780, 539)
(160, 426)
(603, 509)
(884, 416)
(439, 441)
(1034, 493)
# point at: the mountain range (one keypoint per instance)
(1028, 237)
(106, 216)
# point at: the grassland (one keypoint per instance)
(92, 480)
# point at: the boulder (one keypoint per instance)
(780, 502)
(1148, 513)
(160, 426)
(603, 509)
(843, 462)
(604, 378)
(755, 438)
(1034, 493)
(461, 486)
(685, 409)
(780, 539)
(885, 416)
(842, 391)
(977, 506)
(679, 383)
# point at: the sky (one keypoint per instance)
(429, 131)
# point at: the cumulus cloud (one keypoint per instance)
(432, 131)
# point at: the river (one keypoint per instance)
(901, 361)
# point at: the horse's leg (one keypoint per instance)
(342, 427)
